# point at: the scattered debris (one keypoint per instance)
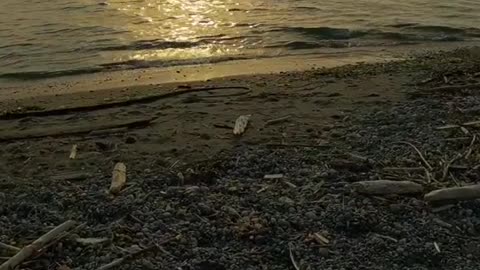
(37, 245)
(454, 193)
(241, 124)
(119, 178)
(386, 187)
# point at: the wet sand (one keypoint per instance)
(190, 180)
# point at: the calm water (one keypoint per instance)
(41, 38)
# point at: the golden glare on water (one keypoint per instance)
(184, 21)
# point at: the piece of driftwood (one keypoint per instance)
(454, 194)
(278, 120)
(36, 246)
(472, 123)
(386, 187)
(108, 131)
(91, 241)
(321, 239)
(73, 152)
(72, 130)
(119, 178)
(125, 102)
(241, 124)
(273, 176)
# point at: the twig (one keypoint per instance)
(9, 247)
(386, 237)
(447, 166)
(292, 259)
(420, 154)
(37, 245)
(470, 147)
(133, 255)
(276, 121)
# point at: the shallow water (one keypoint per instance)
(57, 37)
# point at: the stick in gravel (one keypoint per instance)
(37, 245)
(292, 259)
(9, 247)
(419, 154)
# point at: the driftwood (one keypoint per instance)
(119, 178)
(386, 187)
(454, 194)
(241, 124)
(73, 152)
(72, 130)
(127, 102)
(36, 246)
(278, 120)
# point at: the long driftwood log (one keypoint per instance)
(454, 194)
(126, 102)
(73, 130)
(36, 246)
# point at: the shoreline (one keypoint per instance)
(129, 80)
(281, 193)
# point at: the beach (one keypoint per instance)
(280, 196)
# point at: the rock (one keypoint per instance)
(386, 187)
(455, 194)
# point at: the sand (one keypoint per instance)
(193, 182)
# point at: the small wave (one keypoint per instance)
(149, 44)
(37, 75)
(116, 66)
(408, 32)
(324, 32)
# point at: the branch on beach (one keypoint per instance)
(66, 131)
(127, 102)
(36, 246)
